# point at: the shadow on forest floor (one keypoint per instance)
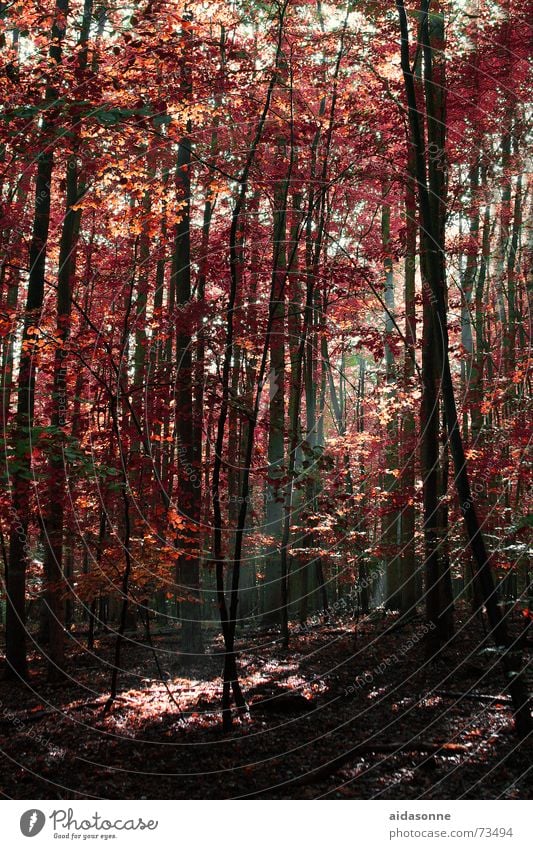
(341, 714)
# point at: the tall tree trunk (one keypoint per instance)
(390, 520)
(297, 359)
(429, 427)
(53, 519)
(228, 616)
(189, 460)
(430, 423)
(276, 428)
(436, 268)
(478, 360)
(408, 556)
(19, 543)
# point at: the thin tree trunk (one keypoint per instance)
(408, 556)
(228, 617)
(274, 584)
(390, 520)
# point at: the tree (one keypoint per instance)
(432, 225)
(21, 468)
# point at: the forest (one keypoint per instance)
(265, 341)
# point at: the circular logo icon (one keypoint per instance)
(32, 822)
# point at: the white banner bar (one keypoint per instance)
(267, 824)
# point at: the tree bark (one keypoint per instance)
(189, 459)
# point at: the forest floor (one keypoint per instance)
(315, 728)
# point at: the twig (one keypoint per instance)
(444, 749)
